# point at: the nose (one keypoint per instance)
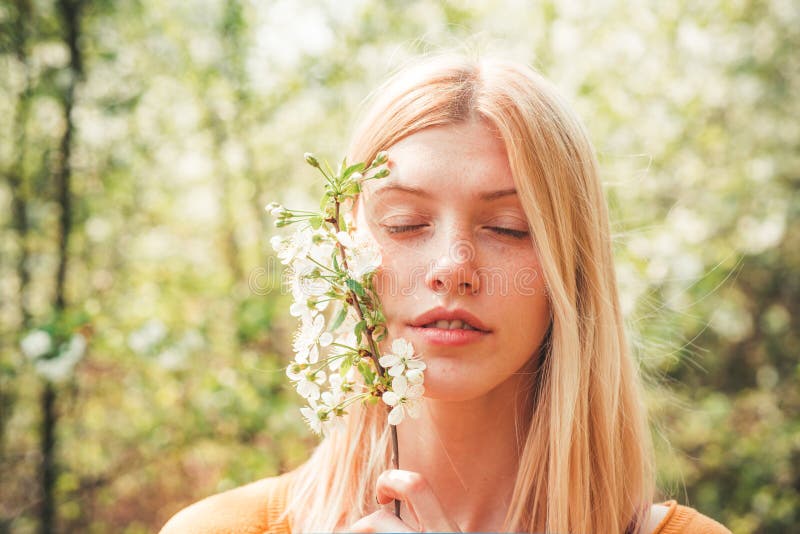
(455, 271)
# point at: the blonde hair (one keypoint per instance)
(586, 463)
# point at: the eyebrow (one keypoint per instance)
(486, 195)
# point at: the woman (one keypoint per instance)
(498, 268)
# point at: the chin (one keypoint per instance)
(443, 384)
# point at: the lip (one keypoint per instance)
(442, 336)
(440, 313)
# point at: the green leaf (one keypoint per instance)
(353, 188)
(315, 222)
(366, 371)
(339, 319)
(329, 169)
(358, 167)
(359, 329)
(357, 288)
(347, 363)
(326, 199)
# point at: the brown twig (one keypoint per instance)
(372, 346)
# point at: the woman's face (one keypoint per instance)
(453, 236)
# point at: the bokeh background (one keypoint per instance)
(143, 330)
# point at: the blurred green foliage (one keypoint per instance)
(173, 123)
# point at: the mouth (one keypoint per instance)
(441, 326)
(455, 324)
(447, 333)
(441, 318)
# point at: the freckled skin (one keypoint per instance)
(446, 250)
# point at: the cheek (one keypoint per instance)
(400, 276)
(520, 301)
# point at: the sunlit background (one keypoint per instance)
(142, 338)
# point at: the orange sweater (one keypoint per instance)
(256, 509)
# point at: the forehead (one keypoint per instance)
(462, 159)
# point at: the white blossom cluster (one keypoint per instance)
(336, 360)
(55, 364)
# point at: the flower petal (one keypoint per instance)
(403, 348)
(415, 376)
(389, 360)
(414, 392)
(345, 239)
(416, 364)
(276, 242)
(325, 339)
(396, 415)
(308, 390)
(390, 398)
(400, 385)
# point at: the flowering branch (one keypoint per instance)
(327, 264)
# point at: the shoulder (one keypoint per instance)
(677, 519)
(253, 508)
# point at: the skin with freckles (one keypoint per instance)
(444, 244)
(452, 233)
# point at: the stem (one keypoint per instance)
(373, 349)
(319, 264)
(350, 400)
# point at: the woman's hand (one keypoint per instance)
(423, 507)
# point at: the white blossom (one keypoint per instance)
(310, 337)
(60, 367)
(308, 290)
(275, 209)
(363, 254)
(147, 337)
(415, 376)
(295, 370)
(308, 385)
(316, 417)
(294, 247)
(342, 344)
(401, 359)
(322, 247)
(334, 396)
(404, 398)
(313, 278)
(37, 343)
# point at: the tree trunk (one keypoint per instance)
(19, 200)
(48, 467)
(70, 12)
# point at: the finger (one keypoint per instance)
(414, 491)
(380, 521)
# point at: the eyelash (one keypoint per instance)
(516, 234)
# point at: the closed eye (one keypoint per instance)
(517, 234)
(403, 228)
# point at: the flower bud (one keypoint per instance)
(381, 158)
(382, 173)
(356, 176)
(311, 160)
(276, 210)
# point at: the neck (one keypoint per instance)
(469, 454)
